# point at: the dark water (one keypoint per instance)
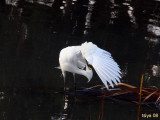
(32, 32)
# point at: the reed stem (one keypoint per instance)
(140, 96)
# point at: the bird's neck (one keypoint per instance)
(81, 72)
(84, 73)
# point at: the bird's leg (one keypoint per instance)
(74, 83)
(64, 85)
(64, 76)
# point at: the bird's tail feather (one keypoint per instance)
(58, 67)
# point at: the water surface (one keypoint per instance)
(32, 32)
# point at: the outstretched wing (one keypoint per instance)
(103, 63)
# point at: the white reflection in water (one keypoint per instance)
(153, 29)
(88, 18)
(156, 70)
(92, 2)
(62, 7)
(66, 7)
(130, 13)
(153, 21)
(42, 2)
(65, 103)
(46, 2)
(25, 31)
(11, 2)
(2, 95)
(114, 14)
(113, 4)
(64, 114)
(89, 15)
(126, 4)
(64, 2)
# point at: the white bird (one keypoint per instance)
(75, 59)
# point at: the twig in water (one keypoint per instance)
(140, 96)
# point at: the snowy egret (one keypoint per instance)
(76, 59)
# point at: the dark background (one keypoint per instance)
(32, 33)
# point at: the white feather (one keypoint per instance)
(104, 77)
(73, 59)
(103, 63)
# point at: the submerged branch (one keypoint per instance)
(123, 93)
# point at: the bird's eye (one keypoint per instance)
(90, 68)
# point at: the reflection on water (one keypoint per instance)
(156, 71)
(32, 32)
(42, 2)
(89, 16)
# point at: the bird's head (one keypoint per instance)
(89, 72)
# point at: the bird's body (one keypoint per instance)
(75, 59)
(71, 60)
